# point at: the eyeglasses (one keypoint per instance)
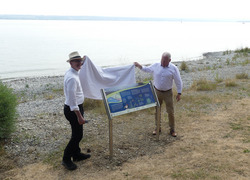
(77, 61)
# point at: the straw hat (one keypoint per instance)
(74, 56)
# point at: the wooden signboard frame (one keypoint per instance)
(122, 100)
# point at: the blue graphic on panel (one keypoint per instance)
(131, 97)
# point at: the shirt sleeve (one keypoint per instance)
(177, 80)
(71, 88)
(148, 69)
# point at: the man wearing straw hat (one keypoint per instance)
(164, 74)
(73, 111)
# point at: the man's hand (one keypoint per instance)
(178, 97)
(137, 65)
(81, 120)
(79, 117)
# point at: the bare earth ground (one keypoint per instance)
(213, 142)
(208, 147)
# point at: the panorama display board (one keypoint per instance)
(126, 99)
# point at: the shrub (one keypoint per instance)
(8, 104)
(243, 50)
(242, 76)
(227, 52)
(184, 66)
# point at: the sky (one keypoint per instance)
(201, 9)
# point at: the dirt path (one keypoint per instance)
(213, 146)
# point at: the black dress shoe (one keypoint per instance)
(69, 165)
(81, 157)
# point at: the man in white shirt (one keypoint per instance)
(164, 74)
(73, 111)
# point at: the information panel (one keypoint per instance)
(122, 100)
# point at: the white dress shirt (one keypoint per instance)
(164, 76)
(73, 89)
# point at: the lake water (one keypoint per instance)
(40, 47)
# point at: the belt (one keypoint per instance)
(65, 105)
(162, 90)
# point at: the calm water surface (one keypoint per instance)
(35, 48)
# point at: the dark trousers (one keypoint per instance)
(73, 149)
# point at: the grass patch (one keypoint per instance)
(58, 90)
(242, 76)
(230, 83)
(96, 106)
(245, 62)
(218, 79)
(49, 96)
(203, 85)
(55, 157)
(184, 174)
(236, 126)
(246, 151)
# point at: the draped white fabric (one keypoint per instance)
(94, 78)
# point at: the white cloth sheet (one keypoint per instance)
(94, 78)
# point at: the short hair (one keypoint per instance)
(166, 54)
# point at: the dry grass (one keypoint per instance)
(213, 142)
(242, 76)
(230, 83)
(203, 85)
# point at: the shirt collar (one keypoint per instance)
(73, 70)
(166, 66)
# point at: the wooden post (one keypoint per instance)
(110, 139)
(110, 125)
(158, 111)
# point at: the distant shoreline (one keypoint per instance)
(107, 18)
(207, 59)
(212, 61)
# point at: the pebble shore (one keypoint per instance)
(41, 126)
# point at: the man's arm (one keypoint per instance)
(178, 83)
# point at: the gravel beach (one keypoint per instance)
(42, 128)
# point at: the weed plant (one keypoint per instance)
(217, 78)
